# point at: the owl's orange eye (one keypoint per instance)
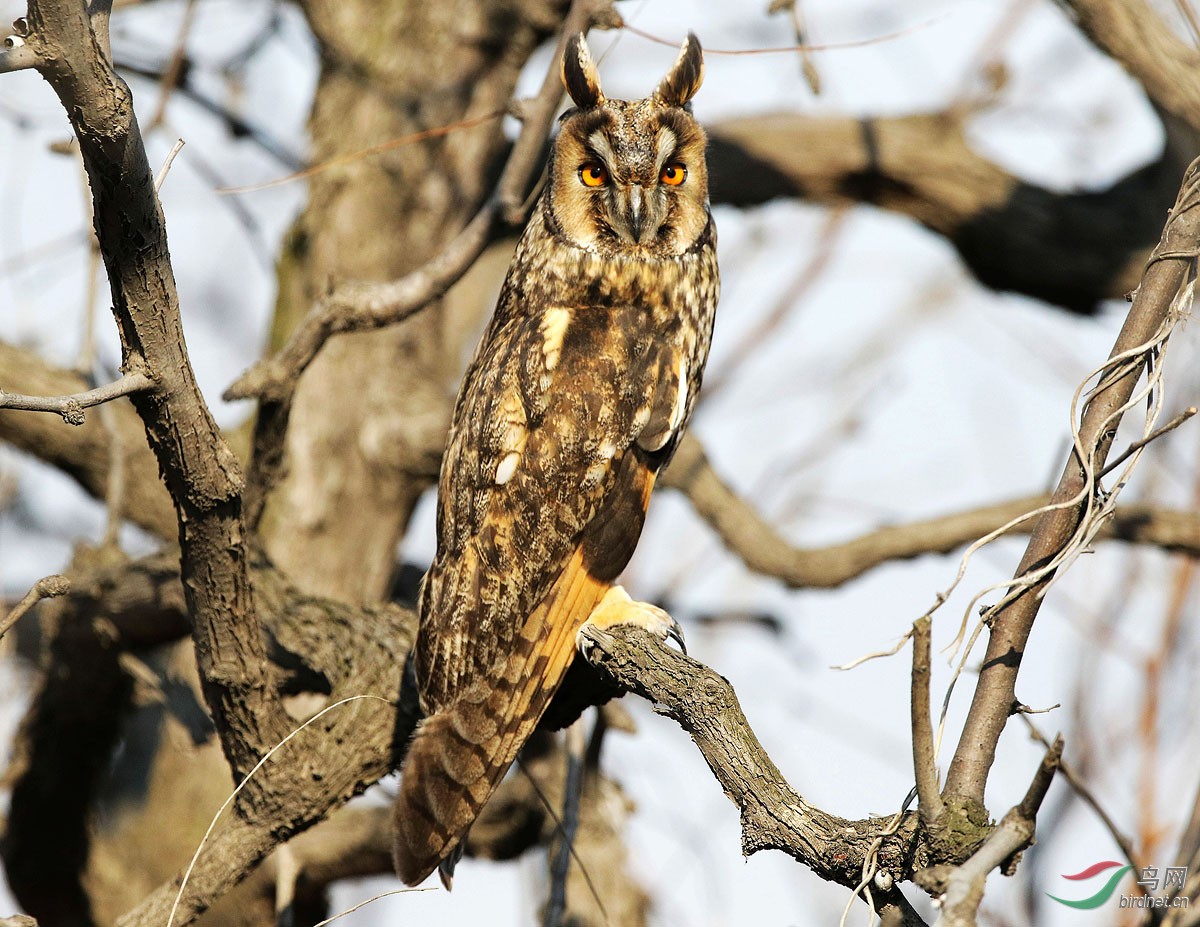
(673, 174)
(593, 175)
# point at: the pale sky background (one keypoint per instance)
(897, 389)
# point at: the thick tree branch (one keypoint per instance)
(1171, 267)
(1070, 249)
(201, 473)
(1134, 33)
(765, 550)
(773, 815)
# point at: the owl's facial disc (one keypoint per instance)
(636, 199)
(629, 178)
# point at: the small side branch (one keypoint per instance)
(362, 306)
(45, 588)
(929, 801)
(71, 407)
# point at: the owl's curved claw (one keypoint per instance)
(675, 632)
(618, 608)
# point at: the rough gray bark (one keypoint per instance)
(363, 438)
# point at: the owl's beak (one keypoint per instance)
(637, 211)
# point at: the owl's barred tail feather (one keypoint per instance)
(445, 784)
(460, 753)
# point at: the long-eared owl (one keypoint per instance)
(576, 398)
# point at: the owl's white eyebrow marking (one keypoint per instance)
(667, 143)
(599, 142)
(554, 329)
(507, 467)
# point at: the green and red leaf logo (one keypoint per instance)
(1106, 890)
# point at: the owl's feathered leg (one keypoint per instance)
(617, 607)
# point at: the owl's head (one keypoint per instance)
(630, 175)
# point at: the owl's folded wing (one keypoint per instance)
(559, 431)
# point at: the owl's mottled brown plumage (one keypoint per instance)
(578, 394)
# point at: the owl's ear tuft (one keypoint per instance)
(685, 76)
(579, 74)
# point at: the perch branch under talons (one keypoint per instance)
(773, 815)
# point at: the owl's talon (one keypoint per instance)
(675, 632)
(618, 608)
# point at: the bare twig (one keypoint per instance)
(1080, 787)
(964, 884)
(792, 49)
(929, 800)
(556, 905)
(86, 453)
(174, 69)
(233, 122)
(71, 407)
(166, 165)
(352, 156)
(808, 67)
(45, 588)
(751, 342)
(1146, 439)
